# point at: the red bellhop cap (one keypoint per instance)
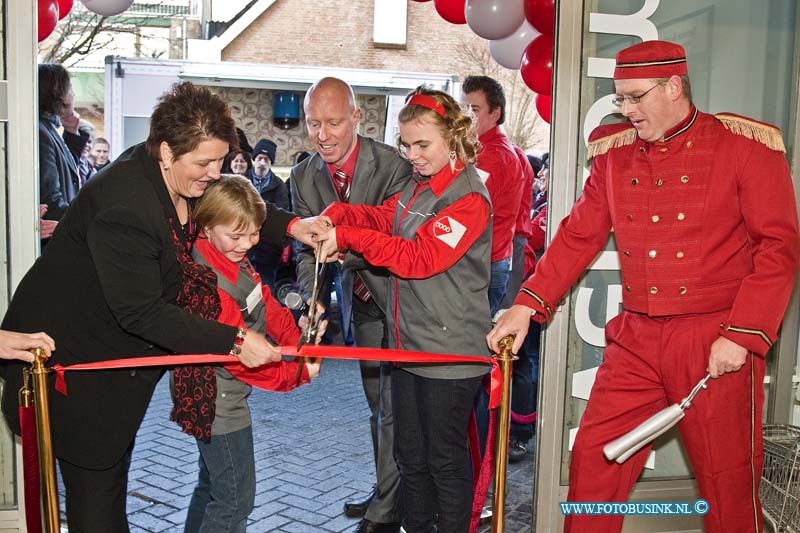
(651, 59)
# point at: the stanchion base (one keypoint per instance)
(486, 515)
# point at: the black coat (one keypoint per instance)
(105, 288)
(58, 172)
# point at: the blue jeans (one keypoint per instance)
(498, 283)
(430, 444)
(226, 486)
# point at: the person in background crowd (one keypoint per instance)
(78, 135)
(435, 238)
(523, 395)
(352, 168)
(705, 223)
(85, 168)
(265, 256)
(500, 165)
(229, 216)
(58, 171)
(238, 162)
(540, 186)
(114, 282)
(101, 151)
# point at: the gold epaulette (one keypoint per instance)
(766, 134)
(615, 140)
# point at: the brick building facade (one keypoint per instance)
(336, 33)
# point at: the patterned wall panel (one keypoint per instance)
(252, 111)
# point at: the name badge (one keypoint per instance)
(254, 298)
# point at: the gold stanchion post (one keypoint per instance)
(504, 359)
(47, 469)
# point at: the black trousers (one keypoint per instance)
(96, 498)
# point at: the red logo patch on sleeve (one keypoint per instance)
(449, 231)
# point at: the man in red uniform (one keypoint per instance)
(501, 172)
(705, 223)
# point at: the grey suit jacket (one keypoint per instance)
(380, 174)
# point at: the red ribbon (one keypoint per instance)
(328, 352)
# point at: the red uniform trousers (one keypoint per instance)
(649, 364)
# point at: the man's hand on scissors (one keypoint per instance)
(307, 230)
(330, 248)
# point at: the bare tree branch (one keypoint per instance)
(523, 124)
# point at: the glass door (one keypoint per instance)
(741, 58)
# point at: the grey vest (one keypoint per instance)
(232, 413)
(448, 312)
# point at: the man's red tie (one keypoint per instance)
(341, 181)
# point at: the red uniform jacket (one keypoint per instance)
(704, 221)
(504, 183)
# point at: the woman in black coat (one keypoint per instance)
(116, 281)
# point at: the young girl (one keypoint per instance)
(230, 215)
(435, 238)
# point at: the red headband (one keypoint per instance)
(428, 101)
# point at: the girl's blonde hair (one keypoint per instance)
(456, 127)
(230, 200)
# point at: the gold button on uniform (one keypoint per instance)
(681, 216)
(653, 290)
(659, 182)
(679, 255)
(684, 179)
(628, 288)
(629, 217)
(682, 290)
(651, 254)
(642, 149)
(664, 149)
(634, 181)
(627, 253)
(655, 218)
(690, 145)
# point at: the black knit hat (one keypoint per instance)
(265, 146)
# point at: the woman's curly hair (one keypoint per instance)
(456, 127)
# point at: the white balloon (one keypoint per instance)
(107, 8)
(508, 52)
(494, 19)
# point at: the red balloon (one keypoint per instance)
(64, 7)
(541, 14)
(451, 10)
(544, 105)
(537, 65)
(48, 18)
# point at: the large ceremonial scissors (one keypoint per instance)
(310, 331)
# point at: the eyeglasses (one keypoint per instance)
(619, 100)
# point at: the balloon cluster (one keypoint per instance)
(51, 11)
(520, 35)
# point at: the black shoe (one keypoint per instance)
(516, 451)
(358, 508)
(368, 526)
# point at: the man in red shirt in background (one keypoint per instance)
(499, 167)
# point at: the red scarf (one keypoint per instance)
(194, 390)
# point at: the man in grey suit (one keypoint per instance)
(351, 168)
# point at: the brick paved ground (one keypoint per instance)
(313, 452)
